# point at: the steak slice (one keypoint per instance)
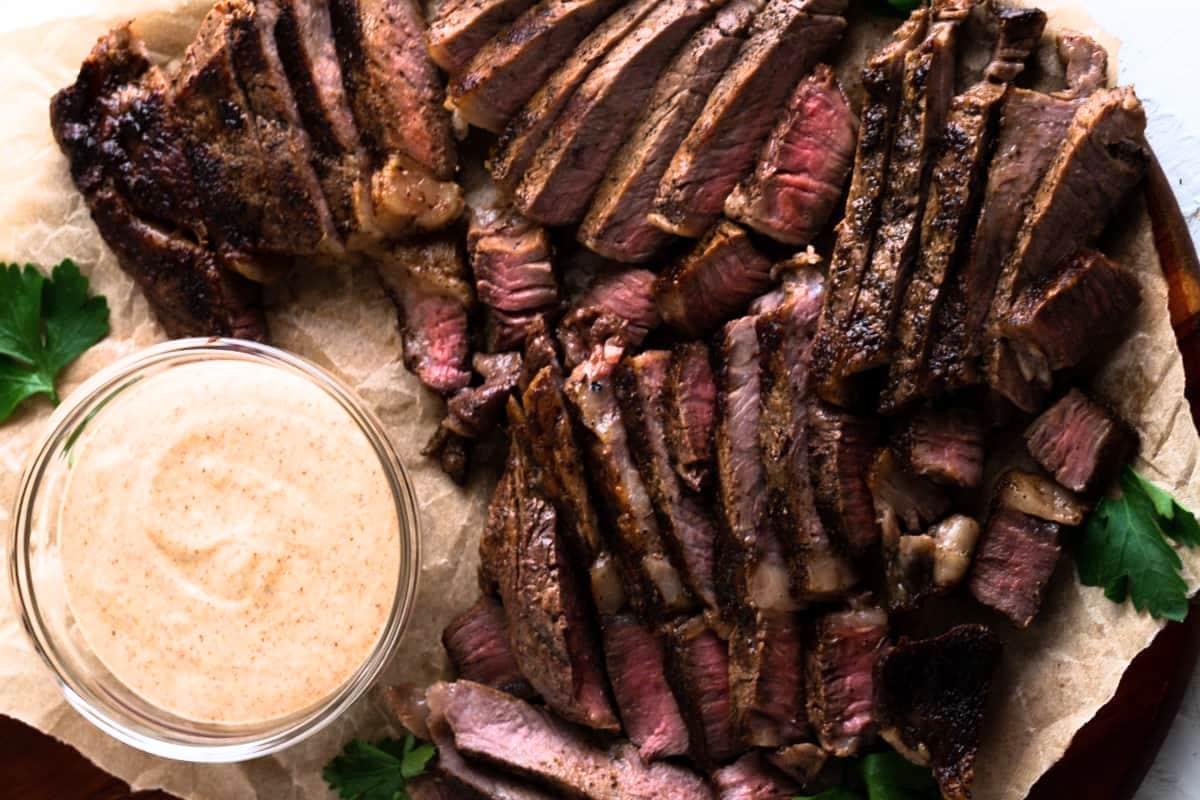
(713, 282)
(474, 412)
(766, 678)
(462, 27)
(525, 133)
(904, 502)
(691, 410)
(490, 782)
(477, 643)
(841, 447)
(509, 733)
(393, 87)
(1081, 443)
(1015, 560)
(787, 39)
(591, 392)
(617, 304)
(932, 698)
(568, 167)
(840, 671)
(688, 528)
(945, 446)
(882, 80)
(925, 99)
(1067, 315)
(752, 777)
(804, 165)
(616, 225)
(1102, 159)
(635, 659)
(955, 193)
(698, 667)
(510, 68)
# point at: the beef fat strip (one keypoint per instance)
(752, 777)
(461, 27)
(616, 225)
(477, 643)
(789, 37)
(840, 670)
(698, 667)
(1081, 443)
(932, 695)
(691, 409)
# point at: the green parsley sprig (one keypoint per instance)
(883, 776)
(379, 770)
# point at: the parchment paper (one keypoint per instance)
(1055, 676)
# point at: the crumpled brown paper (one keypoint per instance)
(1055, 676)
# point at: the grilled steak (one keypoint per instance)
(927, 91)
(474, 412)
(945, 446)
(882, 81)
(698, 667)
(477, 643)
(506, 71)
(1014, 562)
(617, 305)
(955, 192)
(691, 409)
(439, 787)
(1081, 443)
(713, 282)
(932, 695)
(490, 782)
(462, 27)
(752, 777)
(841, 447)
(840, 672)
(787, 39)
(803, 167)
(766, 679)
(1070, 314)
(571, 162)
(616, 226)
(502, 730)
(634, 656)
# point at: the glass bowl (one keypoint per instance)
(41, 597)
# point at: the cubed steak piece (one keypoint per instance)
(788, 38)
(932, 697)
(633, 654)
(477, 643)
(1068, 315)
(509, 733)
(698, 668)
(804, 165)
(946, 446)
(1014, 562)
(691, 409)
(752, 777)
(568, 167)
(841, 447)
(514, 64)
(1081, 443)
(616, 225)
(840, 671)
(924, 564)
(462, 27)
(713, 282)
(616, 305)
(766, 678)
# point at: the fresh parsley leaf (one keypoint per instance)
(45, 324)
(1125, 550)
(379, 771)
(889, 776)
(832, 794)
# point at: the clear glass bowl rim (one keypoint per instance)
(208, 745)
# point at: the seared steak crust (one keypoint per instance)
(698, 668)
(691, 408)
(841, 448)
(840, 669)
(462, 27)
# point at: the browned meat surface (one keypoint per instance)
(439, 787)
(508, 732)
(691, 410)
(804, 165)
(451, 452)
(488, 781)
(571, 162)
(617, 305)
(752, 777)
(945, 446)
(698, 668)
(477, 643)
(840, 672)
(1015, 560)
(1034, 494)
(1081, 443)
(1068, 315)
(633, 654)
(919, 565)
(461, 27)
(687, 525)
(616, 226)
(841, 447)
(801, 762)
(714, 282)
(904, 502)
(932, 697)
(788, 38)
(512, 66)
(766, 678)
(474, 412)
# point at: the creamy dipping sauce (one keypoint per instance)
(229, 541)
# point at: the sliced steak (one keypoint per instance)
(1070, 314)
(506, 72)
(945, 446)
(803, 167)
(477, 643)
(841, 447)
(1014, 562)
(932, 698)
(491, 782)
(904, 502)
(786, 42)
(451, 452)
(840, 671)
(688, 528)
(616, 226)
(633, 654)
(691, 411)
(1081, 443)
(474, 412)
(752, 777)
(766, 679)
(616, 305)
(714, 282)
(698, 667)
(462, 27)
